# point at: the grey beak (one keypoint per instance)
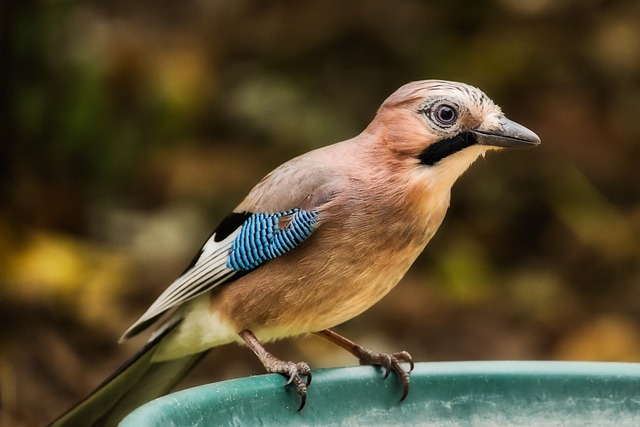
(509, 135)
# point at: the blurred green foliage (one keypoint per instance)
(129, 129)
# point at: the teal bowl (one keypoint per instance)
(441, 394)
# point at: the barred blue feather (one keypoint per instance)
(261, 239)
(241, 243)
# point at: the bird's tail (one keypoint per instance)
(136, 382)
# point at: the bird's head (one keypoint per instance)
(438, 128)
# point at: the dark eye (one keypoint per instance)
(445, 114)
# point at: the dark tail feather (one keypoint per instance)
(133, 384)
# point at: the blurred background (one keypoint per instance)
(128, 130)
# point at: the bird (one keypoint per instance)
(316, 242)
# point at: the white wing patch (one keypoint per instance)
(258, 239)
(209, 271)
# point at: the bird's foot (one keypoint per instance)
(391, 362)
(298, 374)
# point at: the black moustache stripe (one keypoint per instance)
(445, 147)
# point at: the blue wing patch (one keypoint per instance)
(262, 239)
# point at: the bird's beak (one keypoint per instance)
(509, 135)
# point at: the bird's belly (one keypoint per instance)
(308, 300)
(284, 298)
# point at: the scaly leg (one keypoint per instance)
(293, 371)
(391, 362)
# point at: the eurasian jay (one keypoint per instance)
(318, 241)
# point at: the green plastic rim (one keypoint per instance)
(442, 394)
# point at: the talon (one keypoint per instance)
(391, 362)
(294, 372)
(291, 377)
(387, 372)
(405, 392)
(303, 400)
(301, 389)
(405, 357)
(290, 370)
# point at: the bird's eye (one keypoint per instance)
(445, 114)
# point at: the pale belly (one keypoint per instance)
(309, 297)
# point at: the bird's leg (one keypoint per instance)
(391, 362)
(293, 371)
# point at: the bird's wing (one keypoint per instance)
(243, 242)
(248, 238)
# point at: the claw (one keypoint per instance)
(294, 372)
(391, 362)
(405, 392)
(290, 370)
(301, 389)
(303, 400)
(405, 357)
(387, 364)
(291, 377)
(298, 371)
(387, 372)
